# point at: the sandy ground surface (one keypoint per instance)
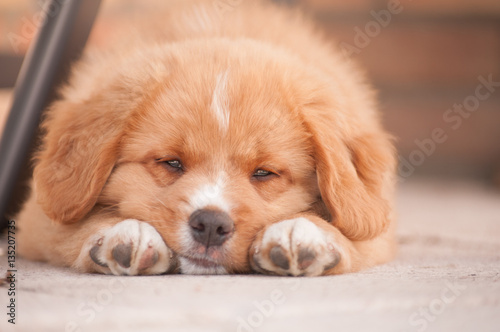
(445, 278)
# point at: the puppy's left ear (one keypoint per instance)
(84, 129)
(78, 154)
(355, 171)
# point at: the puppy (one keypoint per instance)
(213, 142)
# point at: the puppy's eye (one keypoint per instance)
(172, 164)
(263, 174)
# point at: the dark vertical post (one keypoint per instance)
(60, 41)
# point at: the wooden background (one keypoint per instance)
(424, 57)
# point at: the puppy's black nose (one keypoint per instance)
(211, 227)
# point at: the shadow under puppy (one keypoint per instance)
(213, 142)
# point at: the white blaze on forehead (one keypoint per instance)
(220, 101)
(211, 194)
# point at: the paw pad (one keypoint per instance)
(294, 247)
(279, 258)
(132, 247)
(122, 253)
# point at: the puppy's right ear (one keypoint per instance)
(79, 152)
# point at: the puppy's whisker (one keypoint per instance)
(160, 201)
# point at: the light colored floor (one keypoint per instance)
(445, 278)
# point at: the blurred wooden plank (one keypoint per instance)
(421, 55)
(9, 67)
(469, 146)
(338, 5)
(454, 7)
(5, 102)
(420, 7)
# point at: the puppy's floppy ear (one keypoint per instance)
(83, 130)
(355, 176)
(78, 154)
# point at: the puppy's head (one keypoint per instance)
(211, 147)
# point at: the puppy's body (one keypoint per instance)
(238, 134)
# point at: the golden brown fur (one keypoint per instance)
(295, 106)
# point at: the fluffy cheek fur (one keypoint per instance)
(142, 191)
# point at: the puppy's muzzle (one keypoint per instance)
(211, 227)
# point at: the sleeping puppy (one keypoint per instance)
(213, 142)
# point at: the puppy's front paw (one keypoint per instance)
(294, 247)
(131, 247)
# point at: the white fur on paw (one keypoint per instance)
(130, 247)
(295, 247)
